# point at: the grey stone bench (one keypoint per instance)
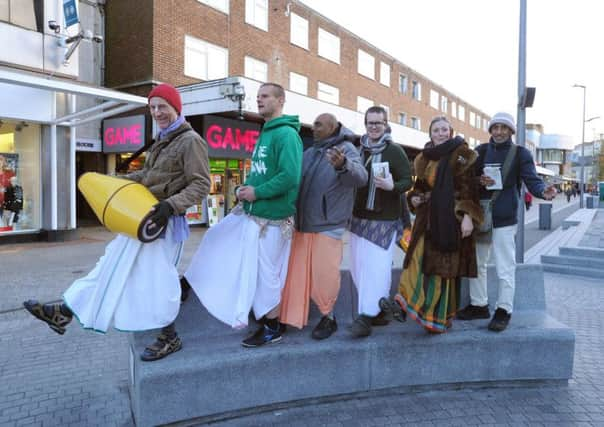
(214, 377)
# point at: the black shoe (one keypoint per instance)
(326, 327)
(500, 320)
(382, 319)
(264, 335)
(391, 310)
(56, 315)
(361, 327)
(185, 287)
(162, 347)
(471, 312)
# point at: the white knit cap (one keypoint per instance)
(503, 119)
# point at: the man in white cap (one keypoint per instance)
(505, 200)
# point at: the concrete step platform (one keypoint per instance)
(597, 273)
(213, 376)
(574, 261)
(579, 251)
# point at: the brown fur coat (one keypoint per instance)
(462, 262)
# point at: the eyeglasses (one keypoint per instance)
(374, 124)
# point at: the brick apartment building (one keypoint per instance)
(187, 41)
(325, 68)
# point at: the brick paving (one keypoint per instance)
(81, 378)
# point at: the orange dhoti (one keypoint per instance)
(313, 273)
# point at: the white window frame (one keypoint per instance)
(329, 45)
(443, 103)
(330, 93)
(298, 83)
(199, 56)
(472, 119)
(298, 31)
(416, 123)
(402, 119)
(363, 104)
(454, 109)
(403, 88)
(255, 69)
(384, 73)
(478, 124)
(221, 5)
(434, 95)
(461, 113)
(365, 64)
(416, 88)
(256, 13)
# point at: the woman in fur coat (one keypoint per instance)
(445, 201)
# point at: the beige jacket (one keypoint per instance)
(177, 169)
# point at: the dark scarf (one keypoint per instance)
(443, 224)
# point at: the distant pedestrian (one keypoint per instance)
(505, 219)
(569, 193)
(574, 191)
(528, 200)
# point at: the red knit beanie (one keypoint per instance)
(169, 93)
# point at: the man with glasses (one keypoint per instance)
(376, 219)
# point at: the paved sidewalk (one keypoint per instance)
(80, 379)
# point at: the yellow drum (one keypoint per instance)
(123, 206)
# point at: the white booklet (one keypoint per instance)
(494, 172)
(380, 169)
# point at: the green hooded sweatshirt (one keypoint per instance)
(276, 169)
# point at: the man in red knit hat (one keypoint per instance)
(135, 286)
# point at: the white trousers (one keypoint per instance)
(235, 269)
(371, 270)
(134, 285)
(504, 255)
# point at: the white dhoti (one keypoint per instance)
(239, 267)
(371, 271)
(134, 284)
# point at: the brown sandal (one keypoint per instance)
(56, 320)
(162, 347)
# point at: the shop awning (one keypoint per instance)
(544, 171)
(110, 102)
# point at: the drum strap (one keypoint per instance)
(123, 166)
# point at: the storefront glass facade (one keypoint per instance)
(20, 191)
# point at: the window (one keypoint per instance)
(298, 29)
(23, 13)
(366, 65)
(443, 104)
(328, 93)
(204, 60)
(434, 99)
(255, 69)
(403, 83)
(416, 123)
(478, 121)
(256, 13)
(454, 109)
(329, 46)
(221, 5)
(417, 90)
(385, 74)
(461, 113)
(298, 83)
(472, 119)
(363, 104)
(485, 124)
(402, 119)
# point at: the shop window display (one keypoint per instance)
(19, 177)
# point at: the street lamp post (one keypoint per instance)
(593, 149)
(582, 177)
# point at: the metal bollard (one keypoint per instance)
(545, 216)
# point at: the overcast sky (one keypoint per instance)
(470, 47)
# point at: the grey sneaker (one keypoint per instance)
(326, 327)
(361, 327)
